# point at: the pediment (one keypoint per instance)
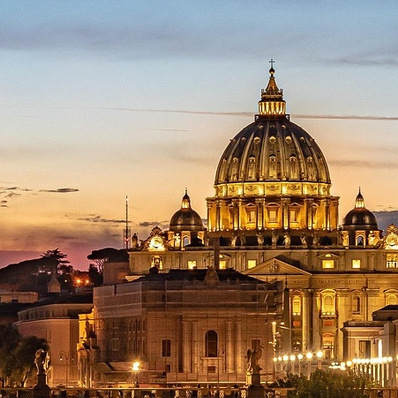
(274, 267)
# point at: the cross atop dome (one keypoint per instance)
(272, 103)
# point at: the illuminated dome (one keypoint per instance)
(272, 177)
(272, 148)
(360, 217)
(186, 219)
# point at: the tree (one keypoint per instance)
(9, 340)
(24, 358)
(17, 355)
(328, 384)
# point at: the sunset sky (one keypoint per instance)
(102, 99)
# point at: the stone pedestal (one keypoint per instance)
(41, 389)
(255, 389)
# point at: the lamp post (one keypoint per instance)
(319, 355)
(309, 358)
(135, 368)
(300, 358)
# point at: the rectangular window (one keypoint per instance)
(364, 348)
(191, 264)
(223, 264)
(293, 216)
(252, 216)
(327, 263)
(255, 343)
(391, 260)
(251, 263)
(166, 348)
(356, 263)
(272, 214)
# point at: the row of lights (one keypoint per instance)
(300, 357)
(371, 361)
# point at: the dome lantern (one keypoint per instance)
(272, 103)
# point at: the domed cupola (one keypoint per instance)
(360, 217)
(272, 176)
(186, 226)
(186, 219)
(360, 225)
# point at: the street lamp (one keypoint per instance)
(319, 355)
(135, 368)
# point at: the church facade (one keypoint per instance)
(272, 218)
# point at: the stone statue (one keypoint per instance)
(253, 357)
(260, 239)
(42, 360)
(372, 239)
(287, 240)
(315, 240)
(303, 239)
(233, 240)
(134, 241)
(274, 238)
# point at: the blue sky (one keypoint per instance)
(91, 94)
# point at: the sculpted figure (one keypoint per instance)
(233, 240)
(260, 239)
(41, 361)
(303, 239)
(253, 357)
(287, 240)
(274, 238)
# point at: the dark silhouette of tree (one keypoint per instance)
(9, 340)
(17, 355)
(327, 384)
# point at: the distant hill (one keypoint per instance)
(28, 275)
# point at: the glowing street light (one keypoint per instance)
(135, 368)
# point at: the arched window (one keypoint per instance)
(328, 302)
(296, 305)
(360, 240)
(392, 297)
(211, 342)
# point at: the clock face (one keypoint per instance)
(156, 243)
(392, 240)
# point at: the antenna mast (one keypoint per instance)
(127, 229)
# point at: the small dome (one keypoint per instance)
(186, 219)
(360, 217)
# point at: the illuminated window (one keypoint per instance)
(223, 264)
(296, 305)
(356, 263)
(327, 263)
(157, 262)
(364, 348)
(166, 348)
(251, 263)
(272, 214)
(328, 302)
(252, 215)
(211, 348)
(328, 345)
(391, 260)
(191, 264)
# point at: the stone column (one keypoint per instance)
(186, 347)
(316, 324)
(195, 354)
(305, 321)
(343, 306)
(238, 347)
(229, 347)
